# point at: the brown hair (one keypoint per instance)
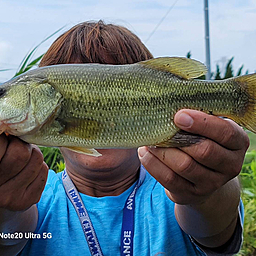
(96, 42)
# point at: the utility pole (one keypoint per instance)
(207, 39)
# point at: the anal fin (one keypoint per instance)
(86, 151)
(181, 139)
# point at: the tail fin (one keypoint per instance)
(248, 83)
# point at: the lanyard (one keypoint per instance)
(89, 232)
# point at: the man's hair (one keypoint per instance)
(96, 42)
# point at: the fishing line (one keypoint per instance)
(160, 22)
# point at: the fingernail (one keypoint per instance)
(142, 151)
(184, 120)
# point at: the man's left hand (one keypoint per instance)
(191, 174)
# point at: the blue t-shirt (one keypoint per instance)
(156, 229)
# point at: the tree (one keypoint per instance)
(217, 75)
(228, 70)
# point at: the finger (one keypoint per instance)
(185, 166)
(226, 133)
(36, 187)
(215, 157)
(18, 198)
(15, 159)
(162, 173)
(178, 189)
(31, 170)
(3, 145)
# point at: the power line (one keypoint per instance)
(160, 22)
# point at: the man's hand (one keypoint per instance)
(200, 178)
(191, 174)
(23, 174)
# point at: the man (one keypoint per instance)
(190, 207)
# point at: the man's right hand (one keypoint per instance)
(23, 174)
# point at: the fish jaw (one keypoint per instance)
(27, 123)
(14, 107)
(27, 105)
(21, 125)
(3, 127)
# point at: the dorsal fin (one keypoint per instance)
(179, 66)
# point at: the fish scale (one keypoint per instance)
(119, 106)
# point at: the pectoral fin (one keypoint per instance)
(80, 128)
(86, 151)
(181, 139)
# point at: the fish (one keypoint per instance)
(85, 107)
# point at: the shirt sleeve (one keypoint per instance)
(233, 245)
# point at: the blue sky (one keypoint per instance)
(24, 24)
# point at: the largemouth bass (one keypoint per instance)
(88, 106)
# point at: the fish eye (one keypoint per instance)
(2, 92)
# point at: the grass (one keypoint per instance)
(53, 158)
(248, 181)
(27, 63)
(252, 138)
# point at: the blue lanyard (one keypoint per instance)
(89, 232)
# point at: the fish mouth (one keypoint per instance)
(3, 127)
(11, 127)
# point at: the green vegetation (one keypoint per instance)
(53, 158)
(27, 63)
(248, 181)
